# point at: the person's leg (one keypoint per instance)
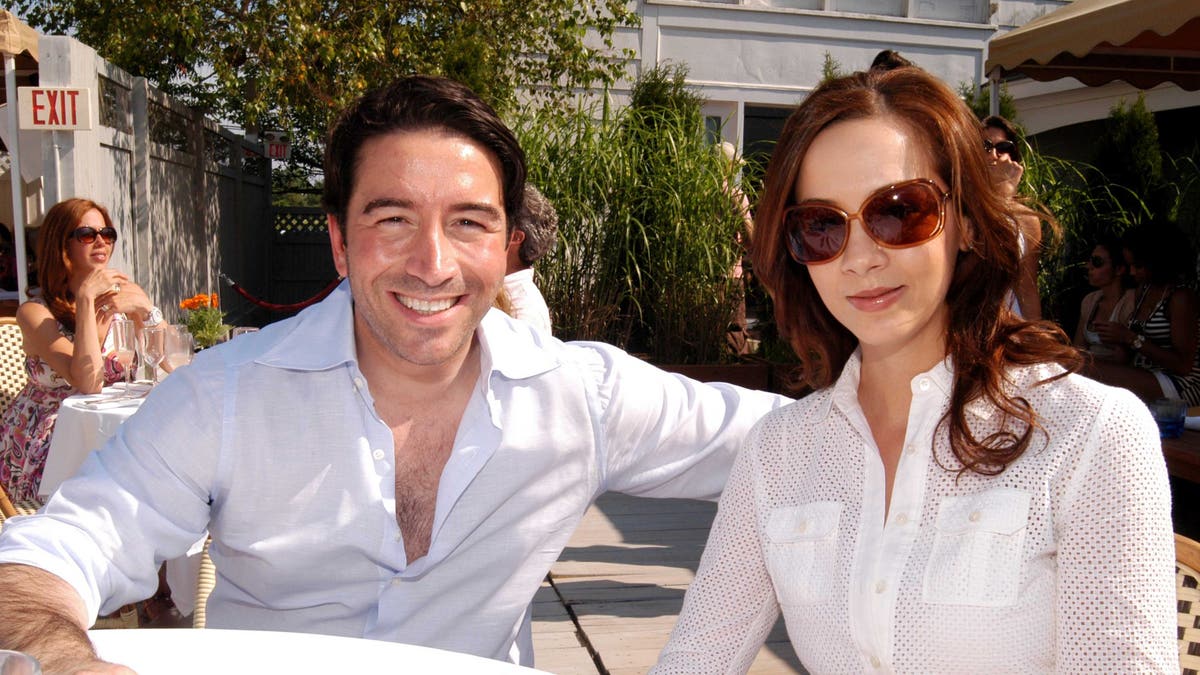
(1140, 381)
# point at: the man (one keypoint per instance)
(532, 238)
(396, 462)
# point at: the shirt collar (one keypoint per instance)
(319, 338)
(940, 376)
(512, 348)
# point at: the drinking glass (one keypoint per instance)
(154, 348)
(242, 330)
(180, 347)
(1170, 414)
(16, 663)
(124, 334)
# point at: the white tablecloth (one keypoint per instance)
(181, 651)
(84, 423)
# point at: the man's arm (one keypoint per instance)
(43, 616)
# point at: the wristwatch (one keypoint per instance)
(1138, 341)
(154, 318)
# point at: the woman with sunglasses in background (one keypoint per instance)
(64, 333)
(1161, 332)
(952, 497)
(1111, 302)
(1004, 157)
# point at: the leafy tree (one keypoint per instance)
(980, 100)
(1128, 154)
(291, 64)
(831, 69)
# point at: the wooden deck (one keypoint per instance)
(612, 597)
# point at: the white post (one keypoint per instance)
(994, 98)
(18, 191)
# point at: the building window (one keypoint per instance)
(878, 7)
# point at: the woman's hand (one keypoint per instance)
(132, 300)
(1114, 333)
(1007, 174)
(102, 286)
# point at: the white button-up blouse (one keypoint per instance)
(1063, 562)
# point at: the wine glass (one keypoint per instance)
(154, 349)
(180, 347)
(17, 663)
(124, 335)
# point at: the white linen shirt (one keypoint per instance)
(528, 304)
(1064, 562)
(271, 441)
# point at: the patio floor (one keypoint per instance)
(613, 595)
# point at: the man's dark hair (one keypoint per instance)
(539, 222)
(418, 103)
(889, 59)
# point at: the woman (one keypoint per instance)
(1112, 301)
(64, 334)
(951, 498)
(1002, 148)
(1161, 332)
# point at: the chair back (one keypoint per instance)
(12, 361)
(1187, 593)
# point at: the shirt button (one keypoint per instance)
(880, 586)
(911, 449)
(802, 527)
(975, 516)
(924, 384)
(901, 519)
(358, 383)
(378, 454)
(875, 663)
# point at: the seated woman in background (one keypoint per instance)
(1161, 332)
(952, 497)
(1112, 301)
(1002, 147)
(64, 334)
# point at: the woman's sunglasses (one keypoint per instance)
(1001, 148)
(87, 235)
(1098, 262)
(897, 216)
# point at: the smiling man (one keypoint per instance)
(398, 462)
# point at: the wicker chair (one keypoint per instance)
(12, 361)
(22, 508)
(204, 585)
(1187, 593)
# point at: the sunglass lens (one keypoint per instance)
(904, 216)
(1005, 147)
(84, 235)
(815, 233)
(109, 234)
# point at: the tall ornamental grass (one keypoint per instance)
(647, 228)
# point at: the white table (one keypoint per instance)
(182, 651)
(85, 422)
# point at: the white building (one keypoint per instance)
(753, 60)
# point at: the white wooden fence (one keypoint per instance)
(190, 198)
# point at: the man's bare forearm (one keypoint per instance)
(42, 615)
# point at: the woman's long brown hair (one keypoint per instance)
(54, 266)
(984, 336)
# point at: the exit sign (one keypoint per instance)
(54, 108)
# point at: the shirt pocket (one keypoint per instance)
(801, 548)
(978, 549)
